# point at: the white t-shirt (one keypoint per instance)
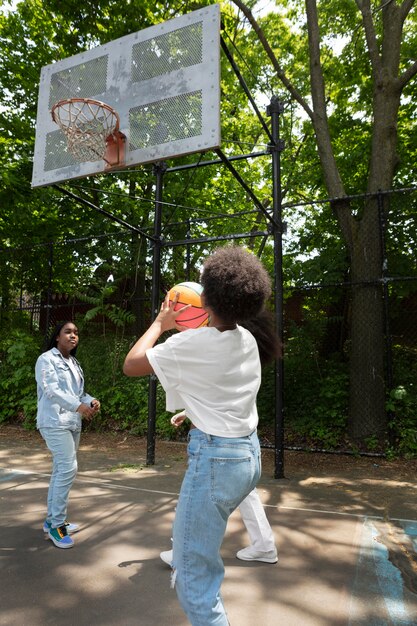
(74, 369)
(214, 376)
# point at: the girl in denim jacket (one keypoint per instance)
(62, 403)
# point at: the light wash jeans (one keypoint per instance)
(221, 473)
(63, 445)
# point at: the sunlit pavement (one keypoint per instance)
(344, 556)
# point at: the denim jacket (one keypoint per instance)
(59, 392)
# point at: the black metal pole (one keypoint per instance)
(159, 170)
(249, 190)
(238, 157)
(274, 110)
(244, 86)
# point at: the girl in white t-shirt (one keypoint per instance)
(214, 373)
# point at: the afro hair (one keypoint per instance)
(236, 284)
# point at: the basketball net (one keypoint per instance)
(91, 129)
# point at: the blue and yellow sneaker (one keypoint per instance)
(71, 528)
(60, 537)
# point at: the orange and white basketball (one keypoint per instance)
(190, 293)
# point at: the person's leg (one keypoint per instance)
(262, 540)
(256, 522)
(51, 491)
(220, 473)
(63, 446)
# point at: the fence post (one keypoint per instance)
(159, 171)
(274, 109)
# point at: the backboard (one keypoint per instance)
(164, 83)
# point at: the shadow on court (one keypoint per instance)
(346, 536)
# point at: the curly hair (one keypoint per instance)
(236, 284)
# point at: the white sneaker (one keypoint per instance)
(167, 557)
(250, 554)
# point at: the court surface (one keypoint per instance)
(347, 541)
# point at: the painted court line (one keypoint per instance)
(112, 485)
(359, 515)
(379, 581)
(109, 484)
(375, 574)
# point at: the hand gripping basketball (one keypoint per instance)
(188, 293)
(168, 314)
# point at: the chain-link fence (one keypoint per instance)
(350, 304)
(351, 337)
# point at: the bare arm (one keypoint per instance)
(136, 363)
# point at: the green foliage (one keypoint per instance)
(38, 33)
(124, 400)
(315, 392)
(117, 315)
(402, 403)
(266, 397)
(18, 354)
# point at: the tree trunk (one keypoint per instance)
(367, 415)
(367, 395)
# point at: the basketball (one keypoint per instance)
(190, 293)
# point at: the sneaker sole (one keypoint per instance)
(261, 560)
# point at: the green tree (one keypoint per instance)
(345, 108)
(33, 35)
(39, 33)
(361, 90)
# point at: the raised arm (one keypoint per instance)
(136, 362)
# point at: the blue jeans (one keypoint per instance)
(221, 473)
(63, 445)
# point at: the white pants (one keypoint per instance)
(256, 522)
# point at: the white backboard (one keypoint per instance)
(163, 81)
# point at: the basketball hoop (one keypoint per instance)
(91, 129)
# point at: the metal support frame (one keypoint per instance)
(159, 170)
(275, 228)
(274, 110)
(114, 218)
